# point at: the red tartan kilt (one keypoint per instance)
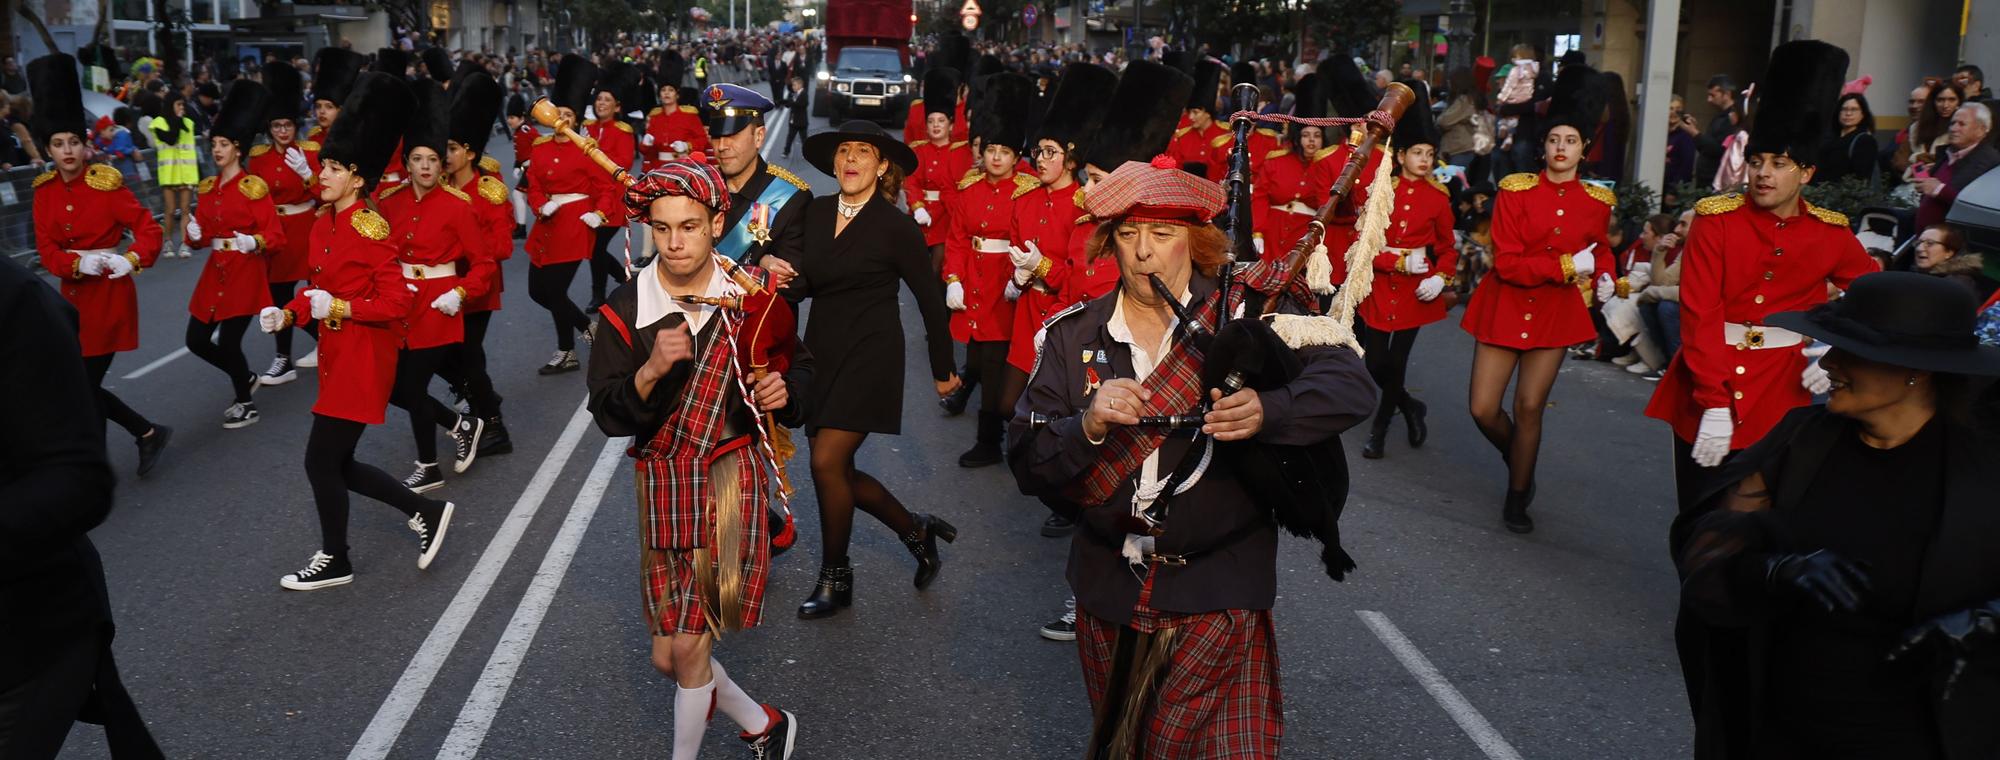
(674, 599)
(1218, 695)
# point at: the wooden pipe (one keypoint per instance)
(1395, 99)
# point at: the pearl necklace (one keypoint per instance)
(848, 212)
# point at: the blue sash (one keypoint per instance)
(736, 243)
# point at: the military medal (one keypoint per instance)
(760, 223)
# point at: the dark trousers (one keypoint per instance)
(604, 265)
(794, 130)
(987, 360)
(332, 472)
(113, 408)
(225, 352)
(77, 681)
(281, 294)
(465, 369)
(1663, 325)
(414, 368)
(1715, 660)
(549, 287)
(1389, 363)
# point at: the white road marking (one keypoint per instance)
(156, 364)
(1468, 718)
(780, 116)
(483, 704)
(380, 736)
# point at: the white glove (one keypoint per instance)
(1429, 289)
(1815, 350)
(593, 219)
(923, 216)
(548, 208)
(1584, 262)
(193, 229)
(1013, 291)
(954, 296)
(90, 264)
(1606, 288)
(1416, 263)
(322, 302)
(272, 319)
(1025, 258)
(1815, 379)
(647, 140)
(116, 266)
(1711, 440)
(295, 160)
(448, 302)
(680, 146)
(244, 243)
(1257, 243)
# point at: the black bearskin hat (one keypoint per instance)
(517, 105)
(245, 113)
(1144, 110)
(287, 91)
(58, 98)
(1345, 89)
(1417, 127)
(1797, 100)
(954, 51)
(1242, 72)
(391, 61)
(430, 121)
(1077, 106)
(1574, 101)
(334, 70)
(625, 82)
(467, 67)
(437, 64)
(671, 72)
(574, 78)
(1002, 117)
(941, 92)
(1207, 93)
(371, 124)
(1307, 103)
(475, 102)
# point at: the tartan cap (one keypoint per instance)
(691, 176)
(1157, 191)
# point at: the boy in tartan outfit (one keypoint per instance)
(681, 369)
(1173, 622)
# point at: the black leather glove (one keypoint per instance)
(1954, 635)
(1829, 580)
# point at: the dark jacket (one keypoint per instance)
(1968, 269)
(1847, 156)
(1957, 173)
(1708, 147)
(1232, 540)
(800, 108)
(787, 231)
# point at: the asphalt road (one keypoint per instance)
(1456, 639)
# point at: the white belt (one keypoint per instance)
(223, 244)
(931, 195)
(564, 199)
(294, 209)
(1754, 337)
(88, 251)
(1296, 207)
(668, 155)
(989, 245)
(427, 271)
(1405, 251)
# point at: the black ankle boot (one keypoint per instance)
(1515, 513)
(834, 592)
(1377, 431)
(922, 544)
(987, 450)
(1413, 419)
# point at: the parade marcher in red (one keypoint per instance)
(1264, 139)
(439, 233)
(1548, 235)
(360, 300)
(334, 72)
(236, 221)
(954, 54)
(672, 367)
(480, 431)
(619, 86)
(941, 162)
(1050, 221)
(289, 167)
(524, 135)
(572, 198)
(81, 212)
(1416, 265)
(978, 270)
(1351, 96)
(1203, 146)
(674, 129)
(1283, 197)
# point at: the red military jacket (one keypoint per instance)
(939, 168)
(317, 134)
(1047, 216)
(1283, 186)
(441, 229)
(353, 260)
(683, 124)
(560, 168)
(1533, 298)
(89, 213)
(614, 137)
(984, 209)
(913, 124)
(1264, 141)
(524, 142)
(1422, 219)
(1326, 167)
(296, 198)
(1209, 147)
(1743, 264)
(234, 283)
(496, 220)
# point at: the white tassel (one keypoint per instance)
(1319, 270)
(1370, 236)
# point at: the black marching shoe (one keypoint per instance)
(1062, 628)
(833, 593)
(954, 404)
(922, 544)
(1057, 526)
(563, 361)
(239, 415)
(1413, 419)
(282, 371)
(322, 571)
(430, 524)
(776, 741)
(151, 445)
(986, 450)
(1377, 432)
(1515, 513)
(425, 479)
(465, 437)
(494, 441)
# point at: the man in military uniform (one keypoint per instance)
(767, 204)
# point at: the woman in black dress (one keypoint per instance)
(1845, 563)
(858, 246)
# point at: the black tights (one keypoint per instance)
(465, 369)
(1389, 363)
(281, 294)
(549, 287)
(414, 368)
(333, 473)
(986, 362)
(840, 488)
(225, 353)
(114, 409)
(1014, 384)
(603, 264)
(1518, 439)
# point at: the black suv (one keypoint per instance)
(864, 82)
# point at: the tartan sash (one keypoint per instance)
(672, 470)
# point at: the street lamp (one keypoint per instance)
(1460, 15)
(809, 13)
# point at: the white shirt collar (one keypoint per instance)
(1144, 358)
(655, 303)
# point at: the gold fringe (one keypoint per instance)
(1150, 660)
(719, 565)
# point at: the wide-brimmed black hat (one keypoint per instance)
(1140, 121)
(371, 124)
(1904, 319)
(429, 122)
(820, 147)
(1797, 100)
(334, 70)
(475, 102)
(288, 92)
(244, 113)
(58, 98)
(575, 76)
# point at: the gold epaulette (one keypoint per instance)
(786, 175)
(620, 123)
(1432, 180)
(489, 164)
(103, 178)
(1023, 184)
(1277, 153)
(370, 224)
(1520, 181)
(252, 186)
(657, 110)
(1324, 152)
(961, 144)
(207, 184)
(1077, 199)
(690, 109)
(258, 150)
(544, 138)
(384, 193)
(1181, 131)
(916, 104)
(1601, 193)
(455, 192)
(1827, 215)
(1083, 220)
(1219, 141)
(44, 177)
(1718, 204)
(1268, 132)
(493, 190)
(970, 178)
(311, 145)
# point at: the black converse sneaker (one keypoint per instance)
(240, 415)
(776, 741)
(430, 524)
(465, 436)
(1062, 628)
(281, 372)
(563, 361)
(425, 479)
(321, 571)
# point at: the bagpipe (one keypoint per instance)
(752, 328)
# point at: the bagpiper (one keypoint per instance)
(359, 300)
(767, 203)
(237, 222)
(1203, 146)
(572, 198)
(941, 161)
(1284, 198)
(289, 167)
(670, 368)
(479, 430)
(81, 211)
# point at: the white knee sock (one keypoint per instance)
(737, 705)
(691, 710)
